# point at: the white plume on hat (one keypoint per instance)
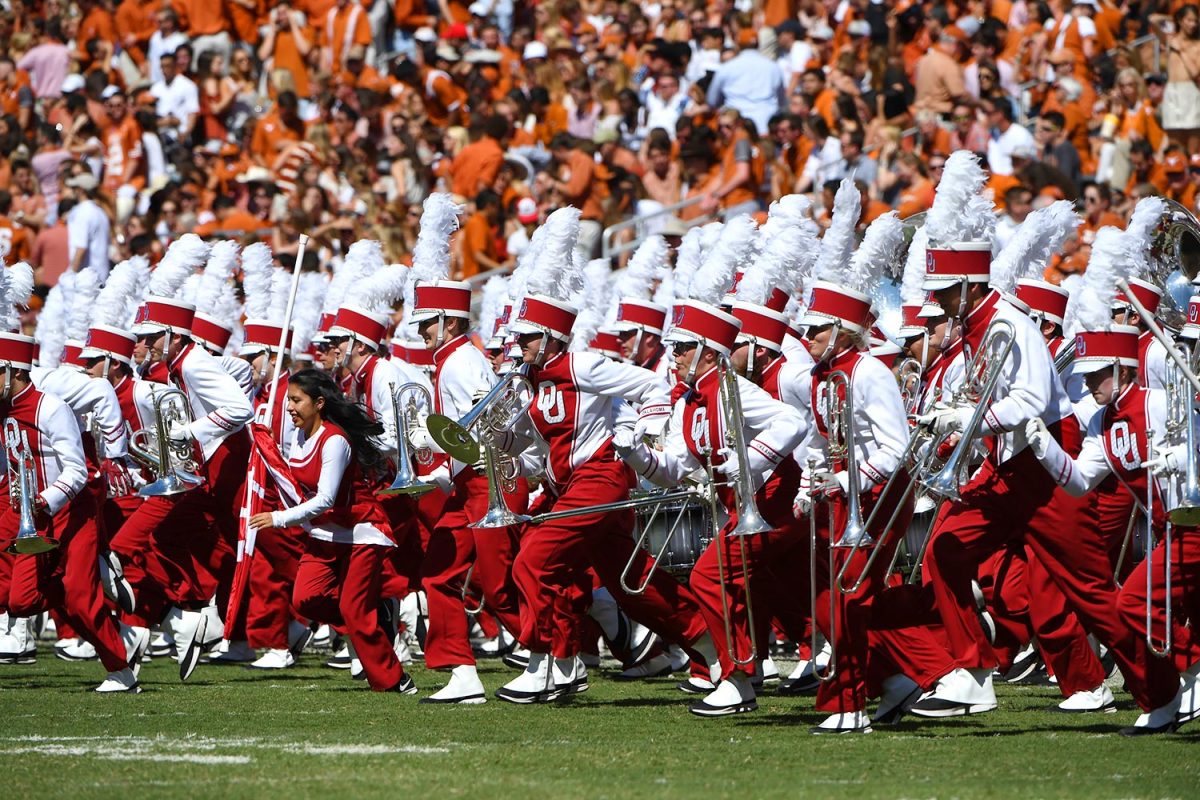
(555, 273)
(1036, 240)
(880, 246)
(85, 290)
(306, 316)
(791, 210)
(1143, 224)
(734, 247)
(911, 293)
(215, 294)
(838, 243)
(258, 268)
(491, 304)
(51, 330)
(960, 212)
(636, 281)
(1090, 305)
(185, 255)
(379, 293)
(117, 303)
(335, 293)
(281, 290)
(780, 264)
(18, 288)
(687, 260)
(592, 300)
(431, 254)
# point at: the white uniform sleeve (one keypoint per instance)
(383, 379)
(879, 406)
(1080, 475)
(795, 390)
(669, 466)
(1026, 382)
(778, 428)
(85, 395)
(211, 387)
(61, 432)
(1156, 366)
(599, 375)
(335, 458)
(243, 372)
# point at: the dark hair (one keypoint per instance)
(486, 199)
(1055, 118)
(360, 429)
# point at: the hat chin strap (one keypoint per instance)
(690, 378)
(637, 345)
(4, 393)
(834, 332)
(345, 362)
(751, 346)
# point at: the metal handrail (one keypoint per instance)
(606, 239)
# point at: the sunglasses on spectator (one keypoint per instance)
(1090, 198)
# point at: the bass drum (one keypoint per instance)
(676, 533)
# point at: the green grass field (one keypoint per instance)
(312, 732)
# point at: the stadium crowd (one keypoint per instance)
(125, 124)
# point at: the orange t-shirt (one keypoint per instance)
(123, 155)
(776, 11)
(10, 95)
(288, 58)
(237, 221)
(1157, 178)
(729, 160)
(336, 35)
(552, 123)
(410, 15)
(475, 167)
(16, 243)
(98, 24)
(270, 134)
(583, 188)
(445, 101)
(245, 21)
(202, 17)
(476, 238)
(916, 198)
(137, 19)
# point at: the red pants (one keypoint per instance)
(66, 578)
(1018, 500)
(1185, 598)
(902, 643)
(267, 607)
(1112, 508)
(550, 569)
(455, 549)
(339, 584)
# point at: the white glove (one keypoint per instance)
(944, 420)
(639, 430)
(440, 478)
(756, 467)
(843, 481)
(419, 438)
(1167, 461)
(178, 432)
(731, 468)
(624, 440)
(802, 505)
(1038, 437)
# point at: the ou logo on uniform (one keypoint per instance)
(550, 403)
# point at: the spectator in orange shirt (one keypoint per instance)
(579, 186)
(206, 23)
(742, 169)
(135, 22)
(476, 166)
(96, 25)
(344, 26)
(124, 162)
(1179, 188)
(16, 243)
(916, 190)
(231, 221)
(445, 101)
(276, 130)
(286, 45)
(478, 241)
(1144, 168)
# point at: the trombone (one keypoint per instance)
(404, 411)
(1167, 640)
(22, 494)
(174, 464)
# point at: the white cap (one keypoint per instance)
(72, 83)
(534, 50)
(109, 91)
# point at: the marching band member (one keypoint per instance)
(339, 575)
(462, 375)
(1131, 422)
(571, 414)
(986, 517)
(639, 322)
(42, 440)
(218, 311)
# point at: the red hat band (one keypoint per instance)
(16, 350)
(972, 260)
(714, 327)
(361, 324)
(641, 313)
(73, 354)
(910, 317)
(166, 313)
(1043, 298)
(326, 323)
(264, 334)
(850, 307)
(778, 300)
(1119, 345)
(1147, 294)
(607, 344)
(411, 353)
(105, 341)
(765, 327)
(544, 313)
(450, 297)
(211, 332)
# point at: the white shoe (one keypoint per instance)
(112, 580)
(227, 652)
(357, 673)
(679, 658)
(534, 685)
(705, 647)
(657, 667)
(569, 676)
(323, 636)
(274, 659)
(1098, 699)
(411, 608)
(464, 688)
(299, 637)
(518, 658)
(768, 671)
(694, 685)
(76, 649)
(123, 680)
(900, 692)
(189, 629)
(401, 649)
(214, 626)
(18, 645)
(497, 646)
(136, 640)
(847, 722)
(162, 644)
(735, 695)
(1160, 720)
(340, 659)
(1189, 695)
(960, 692)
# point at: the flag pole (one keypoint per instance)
(286, 331)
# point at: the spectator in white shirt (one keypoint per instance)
(794, 52)
(1006, 136)
(666, 104)
(825, 161)
(178, 101)
(163, 42)
(88, 228)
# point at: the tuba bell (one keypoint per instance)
(496, 413)
(404, 409)
(174, 465)
(22, 494)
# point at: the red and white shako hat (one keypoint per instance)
(835, 304)
(634, 314)
(433, 294)
(636, 310)
(211, 332)
(161, 309)
(368, 327)
(543, 309)
(704, 324)
(260, 336)
(1095, 350)
(950, 264)
(366, 312)
(106, 341)
(438, 298)
(411, 351)
(1191, 328)
(1043, 299)
(607, 344)
(542, 314)
(72, 353)
(911, 324)
(159, 314)
(761, 326)
(16, 351)
(1146, 293)
(217, 308)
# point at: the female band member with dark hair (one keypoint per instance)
(338, 578)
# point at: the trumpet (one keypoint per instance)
(979, 385)
(22, 494)
(174, 464)
(496, 413)
(750, 521)
(404, 411)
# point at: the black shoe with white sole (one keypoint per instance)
(703, 709)
(799, 687)
(695, 686)
(515, 660)
(891, 715)
(405, 686)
